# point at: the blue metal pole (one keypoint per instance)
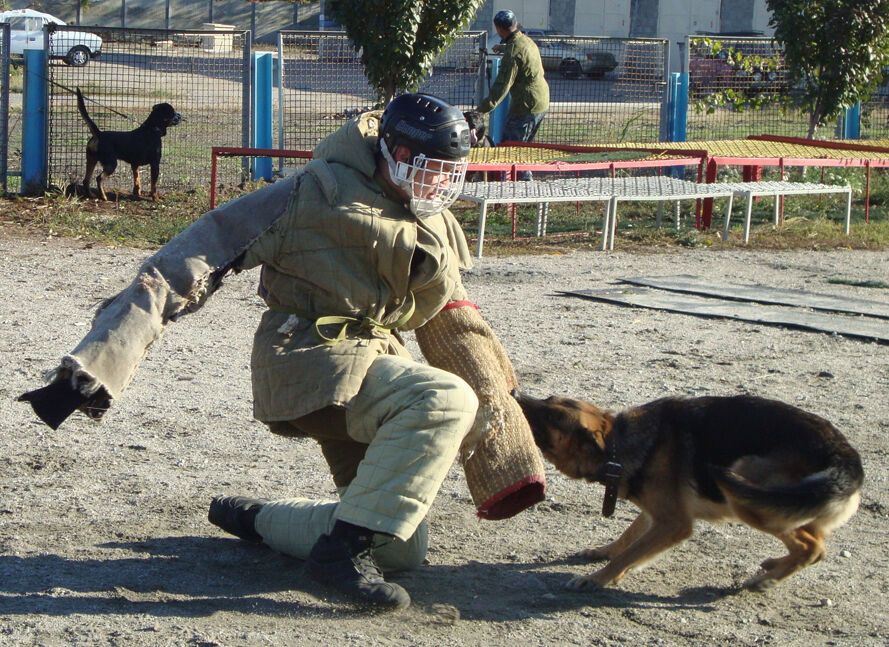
(497, 117)
(34, 137)
(680, 123)
(262, 112)
(852, 122)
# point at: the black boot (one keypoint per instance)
(343, 561)
(236, 515)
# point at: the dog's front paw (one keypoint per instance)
(595, 554)
(760, 582)
(588, 582)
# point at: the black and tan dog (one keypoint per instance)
(139, 147)
(773, 466)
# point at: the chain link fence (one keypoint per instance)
(602, 90)
(323, 82)
(875, 113)
(737, 87)
(205, 75)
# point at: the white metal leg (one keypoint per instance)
(848, 211)
(606, 226)
(747, 214)
(777, 208)
(678, 214)
(728, 217)
(542, 214)
(482, 217)
(613, 227)
(660, 215)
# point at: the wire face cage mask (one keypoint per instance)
(432, 184)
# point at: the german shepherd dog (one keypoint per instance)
(777, 468)
(137, 147)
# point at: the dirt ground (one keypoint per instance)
(103, 531)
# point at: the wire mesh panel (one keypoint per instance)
(4, 106)
(602, 90)
(455, 73)
(204, 75)
(738, 87)
(875, 114)
(324, 82)
(323, 86)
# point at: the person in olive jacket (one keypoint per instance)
(521, 77)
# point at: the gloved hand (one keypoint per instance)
(56, 401)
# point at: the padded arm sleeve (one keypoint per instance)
(174, 281)
(504, 470)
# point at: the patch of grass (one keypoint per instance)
(120, 221)
(810, 223)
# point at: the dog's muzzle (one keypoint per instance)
(176, 119)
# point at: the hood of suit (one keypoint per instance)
(355, 144)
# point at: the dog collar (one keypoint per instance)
(612, 474)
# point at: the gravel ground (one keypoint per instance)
(103, 531)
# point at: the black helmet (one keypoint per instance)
(505, 19)
(425, 124)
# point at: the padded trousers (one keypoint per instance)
(388, 452)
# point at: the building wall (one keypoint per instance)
(602, 18)
(644, 18)
(671, 19)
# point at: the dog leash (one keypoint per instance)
(85, 98)
(612, 474)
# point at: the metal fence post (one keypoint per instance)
(480, 92)
(262, 113)
(247, 80)
(679, 100)
(34, 140)
(4, 107)
(852, 122)
(280, 81)
(665, 116)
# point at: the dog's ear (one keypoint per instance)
(598, 425)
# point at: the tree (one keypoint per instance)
(399, 39)
(834, 51)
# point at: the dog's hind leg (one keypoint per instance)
(155, 174)
(91, 161)
(634, 530)
(137, 181)
(805, 546)
(100, 178)
(109, 164)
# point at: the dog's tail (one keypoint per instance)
(808, 496)
(81, 107)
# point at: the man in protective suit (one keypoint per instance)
(357, 246)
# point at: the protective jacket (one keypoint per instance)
(521, 76)
(346, 260)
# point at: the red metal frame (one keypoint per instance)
(686, 158)
(240, 151)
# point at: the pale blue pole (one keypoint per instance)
(262, 113)
(34, 123)
(497, 117)
(852, 122)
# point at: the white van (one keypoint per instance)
(26, 32)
